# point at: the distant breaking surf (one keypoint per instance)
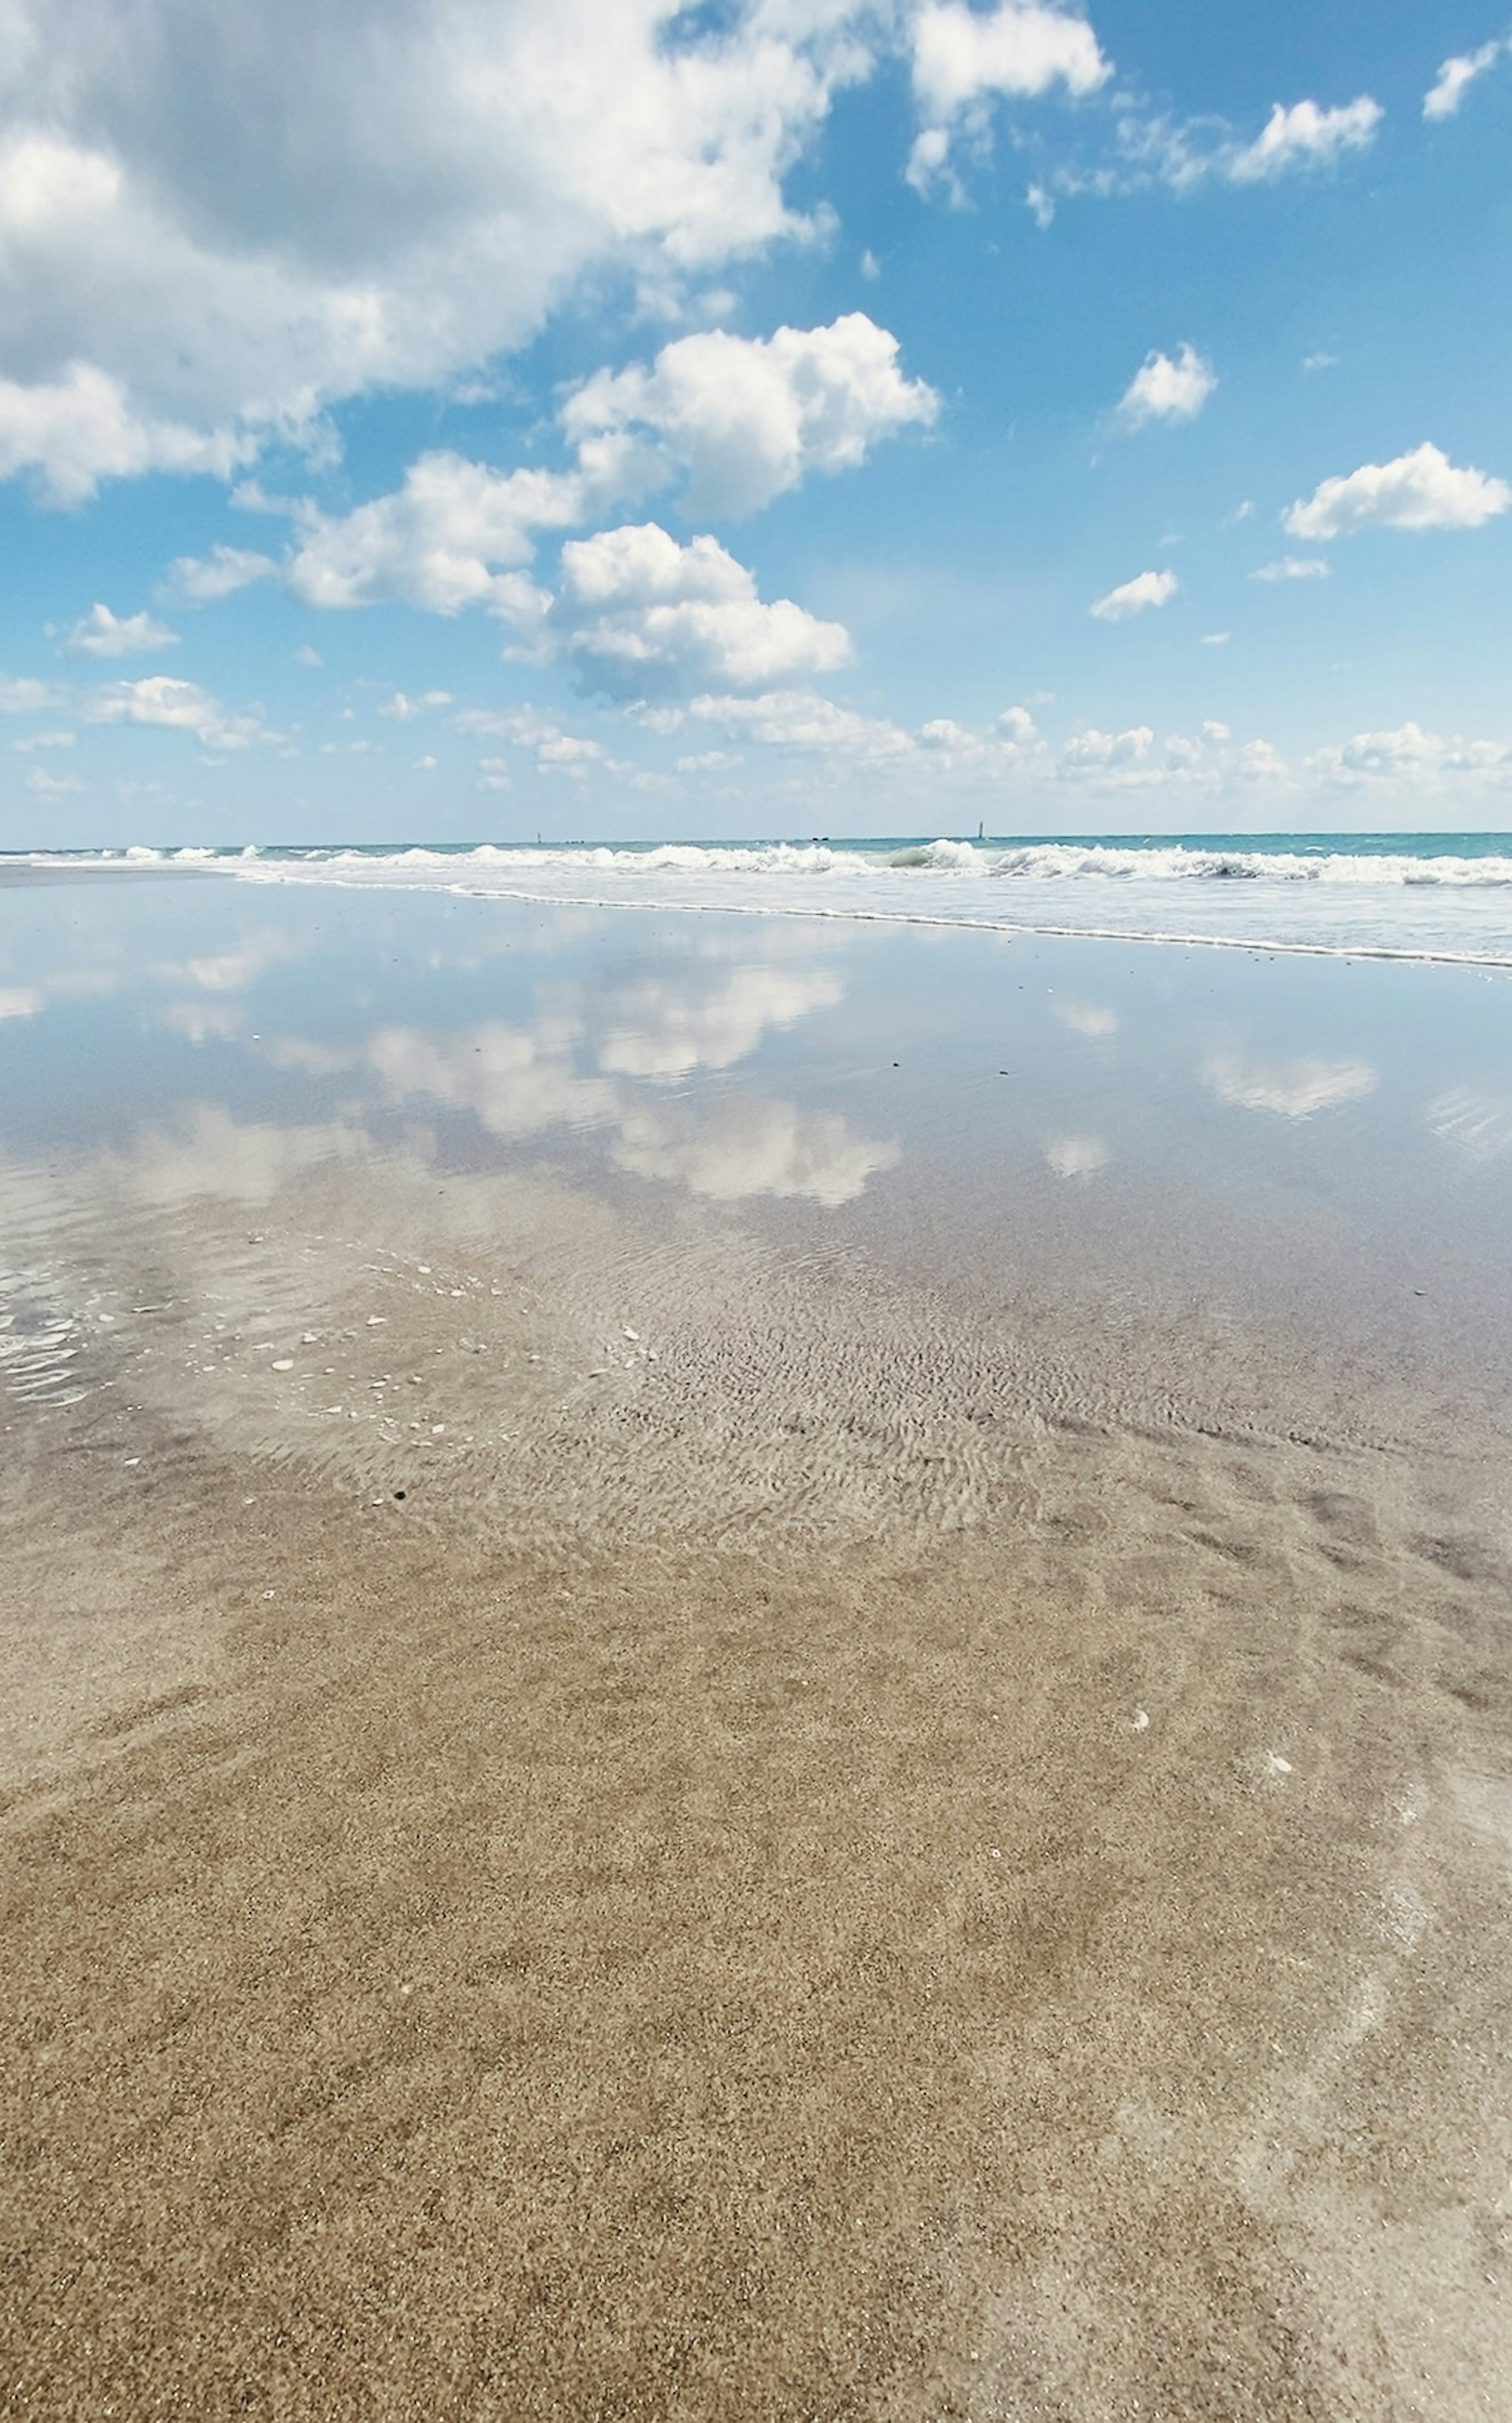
(1440, 896)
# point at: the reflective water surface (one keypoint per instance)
(1150, 1132)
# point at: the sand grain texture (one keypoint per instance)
(829, 1874)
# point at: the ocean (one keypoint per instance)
(1436, 896)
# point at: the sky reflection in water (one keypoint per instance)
(1281, 1129)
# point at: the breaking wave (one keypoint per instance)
(1438, 896)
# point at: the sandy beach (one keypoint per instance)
(626, 1799)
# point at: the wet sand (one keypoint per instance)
(611, 1811)
(1013, 1927)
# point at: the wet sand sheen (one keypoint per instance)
(852, 1869)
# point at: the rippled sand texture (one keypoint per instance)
(820, 1861)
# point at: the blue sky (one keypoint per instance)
(757, 419)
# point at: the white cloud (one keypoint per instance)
(744, 418)
(1135, 597)
(179, 706)
(402, 709)
(1076, 1156)
(1294, 568)
(1092, 750)
(514, 1080)
(26, 697)
(437, 541)
(79, 429)
(231, 971)
(747, 418)
(21, 1000)
(200, 581)
(1411, 755)
(739, 1150)
(43, 741)
(1422, 490)
(211, 235)
(1456, 76)
(556, 752)
(1085, 1016)
(962, 60)
(1153, 150)
(1293, 1089)
(1163, 390)
(801, 719)
(100, 633)
(207, 1152)
(641, 614)
(1305, 136)
(664, 1028)
(1216, 639)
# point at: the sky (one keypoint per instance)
(763, 418)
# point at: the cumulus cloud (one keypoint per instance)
(1076, 1156)
(747, 418)
(438, 541)
(514, 1080)
(1293, 1089)
(1422, 490)
(1305, 136)
(1457, 76)
(1092, 750)
(801, 719)
(641, 614)
(179, 706)
(205, 239)
(207, 1152)
(664, 1028)
(1136, 596)
(201, 581)
(1163, 390)
(1412, 754)
(1294, 568)
(739, 1150)
(23, 696)
(100, 633)
(78, 429)
(962, 60)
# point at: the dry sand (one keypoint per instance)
(827, 1858)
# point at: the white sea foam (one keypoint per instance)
(1413, 902)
